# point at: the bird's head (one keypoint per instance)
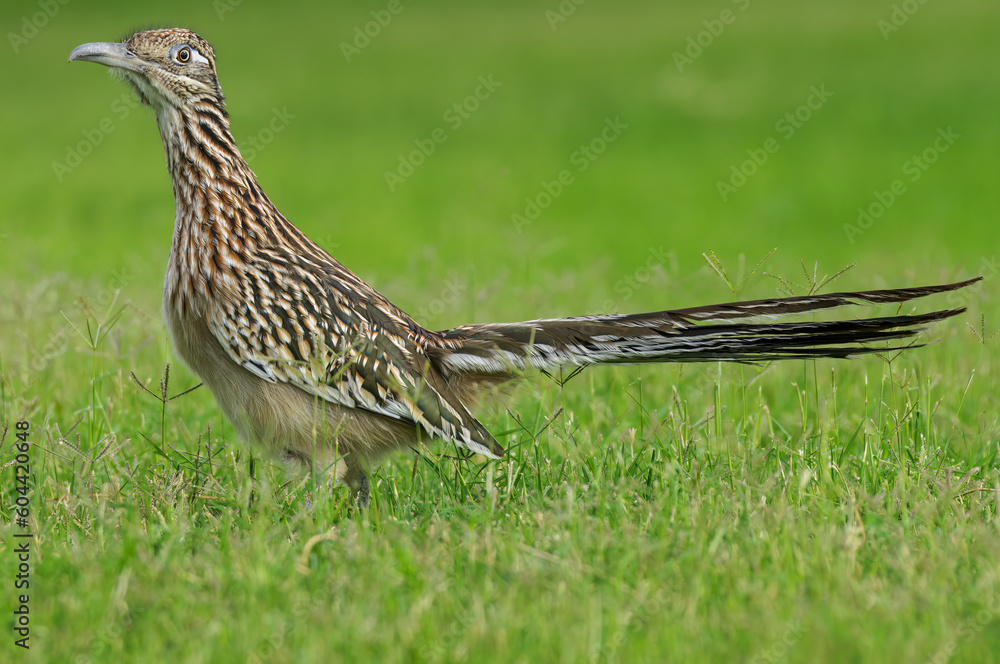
(166, 68)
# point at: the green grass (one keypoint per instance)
(821, 511)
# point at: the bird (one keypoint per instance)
(318, 370)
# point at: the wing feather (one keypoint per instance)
(358, 351)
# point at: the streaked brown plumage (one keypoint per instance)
(315, 366)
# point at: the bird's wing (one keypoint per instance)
(334, 337)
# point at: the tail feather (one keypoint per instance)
(810, 303)
(697, 334)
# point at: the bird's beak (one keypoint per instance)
(112, 55)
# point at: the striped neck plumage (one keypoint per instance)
(202, 154)
(222, 214)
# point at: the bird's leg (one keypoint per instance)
(358, 482)
(338, 473)
(364, 492)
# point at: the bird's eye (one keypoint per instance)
(183, 55)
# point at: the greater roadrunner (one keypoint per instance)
(315, 366)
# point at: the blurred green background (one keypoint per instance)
(347, 123)
(883, 556)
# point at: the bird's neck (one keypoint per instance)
(222, 214)
(223, 220)
(205, 164)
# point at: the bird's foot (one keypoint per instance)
(364, 492)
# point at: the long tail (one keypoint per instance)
(698, 334)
